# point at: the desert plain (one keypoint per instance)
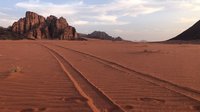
(98, 76)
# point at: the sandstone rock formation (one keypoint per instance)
(35, 26)
(6, 33)
(193, 33)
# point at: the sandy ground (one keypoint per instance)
(41, 85)
(84, 76)
(177, 63)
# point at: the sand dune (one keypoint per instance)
(99, 76)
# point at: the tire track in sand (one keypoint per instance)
(95, 98)
(194, 94)
(42, 86)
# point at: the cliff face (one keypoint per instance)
(37, 27)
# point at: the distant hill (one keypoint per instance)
(102, 35)
(118, 39)
(193, 33)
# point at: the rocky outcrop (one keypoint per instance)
(103, 36)
(193, 33)
(6, 33)
(37, 27)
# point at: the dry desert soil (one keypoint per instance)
(98, 76)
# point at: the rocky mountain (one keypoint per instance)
(103, 36)
(193, 33)
(100, 35)
(34, 26)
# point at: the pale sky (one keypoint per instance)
(151, 20)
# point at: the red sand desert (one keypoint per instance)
(98, 76)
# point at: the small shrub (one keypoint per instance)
(16, 69)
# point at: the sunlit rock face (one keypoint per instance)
(35, 26)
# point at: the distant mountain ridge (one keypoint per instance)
(193, 33)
